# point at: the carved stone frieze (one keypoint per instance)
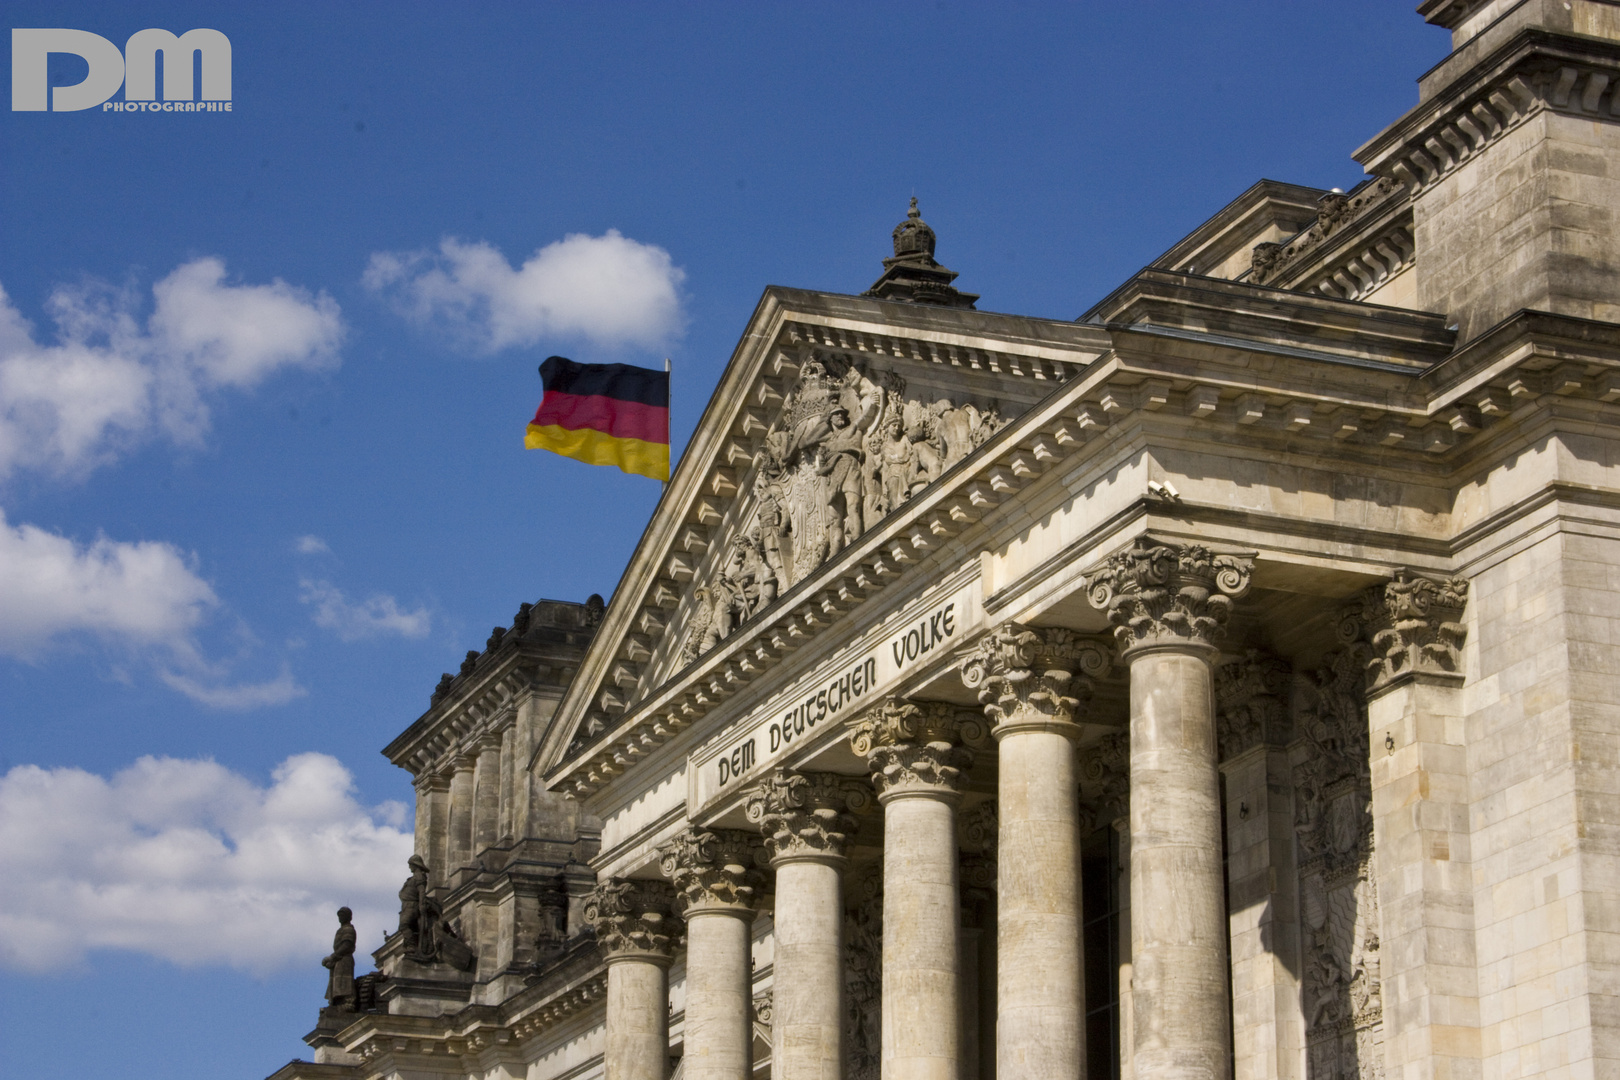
(1105, 779)
(634, 919)
(1251, 697)
(1160, 594)
(1030, 676)
(1416, 627)
(713, 868)
(806, 814)
(1334, 211)
(915, 747)
(978, 829)
(863, 978)
(1338, 898)
(848, 447)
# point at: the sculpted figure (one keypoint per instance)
(729, 599)
(340, 984)
(841, 458)
(897, 463)
(772, 531)
(413, 901)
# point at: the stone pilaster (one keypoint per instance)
(717, 884)
(917, 763)
(432, 818)
(461, 818)
(637, 931)
(1168, 603)
(1253, 731)
(1031, 686)
(806, 820)
(486, 794)
(1420, 807)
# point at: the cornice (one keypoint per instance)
(1392, 415)
(1534, 71)
(577, 983)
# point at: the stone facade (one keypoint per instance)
(1220, 685)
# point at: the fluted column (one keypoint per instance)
(486, 794)
(1168, 603)
(917, 761)
(637, 932)
(1027, 682)
(806, 822)
(716, 877)
(461, 818)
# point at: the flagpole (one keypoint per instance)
(669, 418)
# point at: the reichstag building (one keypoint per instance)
(1223, 684)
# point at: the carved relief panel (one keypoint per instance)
(848, 447)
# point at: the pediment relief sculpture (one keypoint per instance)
(849, 446)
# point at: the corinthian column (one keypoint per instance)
(806, 821)
(637, 933)
(1026, 681)
(917, 763)
(1168, 604)
(716, 885)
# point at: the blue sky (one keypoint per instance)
(256, 498)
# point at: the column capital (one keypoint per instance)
(713, 870)
(1159, 594)
(1032, 679)
(914, 747)
(634, 920)
(1415, 625)
(806, 815)
(433, 781)
(1251, 696)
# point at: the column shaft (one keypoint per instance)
(1040, 1013)
(807, 1016)
(719, 1001)
(921, 1012)
(637, 1042)
(1178, 910)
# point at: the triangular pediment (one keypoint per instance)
(834, 413)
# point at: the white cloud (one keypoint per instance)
(190, 862)
(143, 594)
(108, 382)
(278, 691)
(609, 289)
(311, 545)
(352, 620)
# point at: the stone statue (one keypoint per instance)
(897, 463)
(413, 901)
(840, 462)
(340, 984)
(429, 938)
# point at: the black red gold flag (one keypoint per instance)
(604, 414)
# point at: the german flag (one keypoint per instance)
(604, 414)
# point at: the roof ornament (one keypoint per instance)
(912, 274)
